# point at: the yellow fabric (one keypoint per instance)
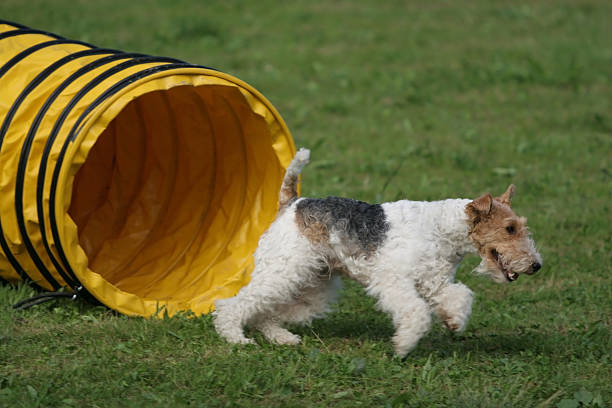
(165, 190)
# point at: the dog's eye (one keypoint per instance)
(510, 229)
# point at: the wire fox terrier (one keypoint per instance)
(404, 253)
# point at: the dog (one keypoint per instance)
(404, 253)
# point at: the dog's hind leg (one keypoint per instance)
(313, 302)
(229, 319)
(272, 330)
(258, 303)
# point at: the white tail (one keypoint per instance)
(288, 191)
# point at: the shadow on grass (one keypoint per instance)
(493, 343)
(379, 328)
(367, 327)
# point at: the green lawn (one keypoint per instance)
(396, 99)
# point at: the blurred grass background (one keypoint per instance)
(396, 99)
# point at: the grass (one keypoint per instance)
(395, 99)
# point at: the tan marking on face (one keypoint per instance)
(501, 236)
(500, 224)
(314, 230)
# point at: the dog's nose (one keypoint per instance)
(535, 267)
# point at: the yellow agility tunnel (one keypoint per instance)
(142, 182)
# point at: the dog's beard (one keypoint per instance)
(484, 268)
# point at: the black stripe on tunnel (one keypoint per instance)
(76, 130)
(47, 149)
(25, 152)
(5, 125)
(9, 255)
(10, 63)
(16, 25)
(24, 31)
(53, 135)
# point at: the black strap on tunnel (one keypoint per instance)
(42, 298)
(11, 33)
(77, 128)
(12, 260)
(4, 129)
(55, 131)
(20, 29)
(23, 31)
(25, 152)
(16, 25)
(10, 63)
(5, 124)
(68, 276)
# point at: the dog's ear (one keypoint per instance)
(479, 208)
(506, 198)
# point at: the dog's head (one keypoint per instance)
(502, 238)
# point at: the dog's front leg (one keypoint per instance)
(453, 304)
(410, 313)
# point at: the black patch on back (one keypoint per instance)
(356, 221)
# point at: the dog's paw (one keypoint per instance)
(244, 340)
(455, 324)
(402, 345)
(287, 338)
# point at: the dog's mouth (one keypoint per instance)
(510, 276)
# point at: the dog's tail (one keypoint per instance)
(288, 191)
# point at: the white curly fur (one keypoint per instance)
(411, 273)
(301, 159)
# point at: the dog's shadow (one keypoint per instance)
(376, 327)
(369, 326)
(481, 342)
(364, 323)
